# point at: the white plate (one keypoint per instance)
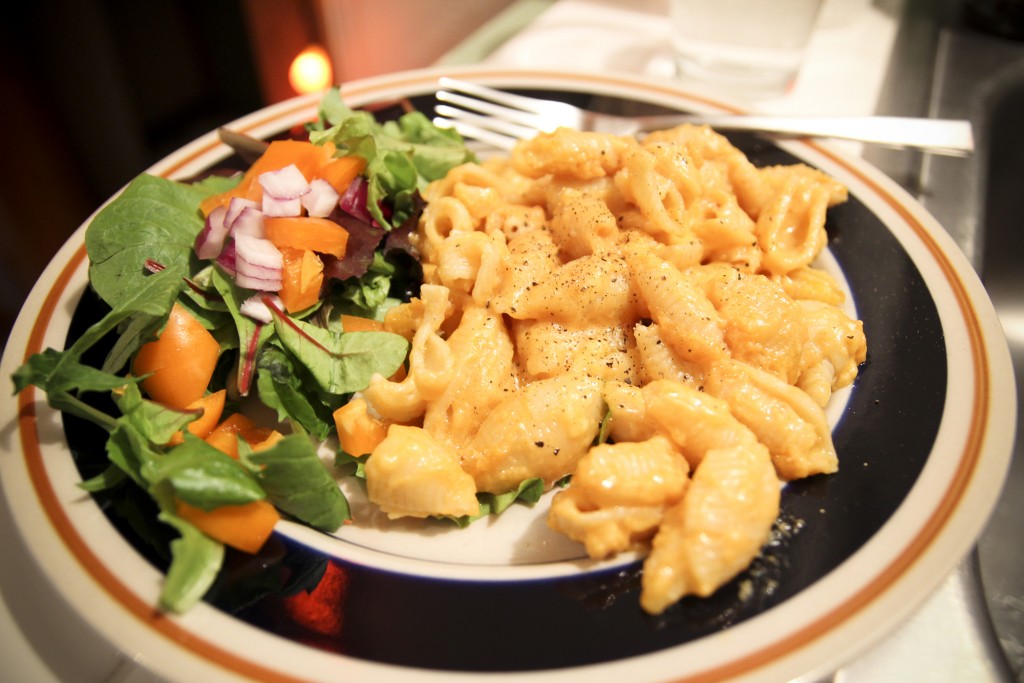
(924, 440)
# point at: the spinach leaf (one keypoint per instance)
(341, 363)
(251, 334)
(350, 465)
(153, 219)
(203, 476)
(298, 482)
(529, 491)
(283, 386)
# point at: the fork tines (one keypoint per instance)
(491, 116)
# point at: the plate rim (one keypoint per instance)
(984, 444)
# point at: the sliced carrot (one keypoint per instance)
(272, 438)
(358, 431)
(301, 279)
(225, 437)
(306, 156)
(342, 171)
(311, 274)
(355, 323)
(212, 406)
(245, 527)
(180, 362)
(321, 235)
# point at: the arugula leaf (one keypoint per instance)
(196, 559)
(366, 293)
(297, 482)
(55, 371)
(61, 374)
(153, 219)
(129, 451)
(107, 479)
(154, 421)
(341, 363)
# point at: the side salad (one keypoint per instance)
(268, 286)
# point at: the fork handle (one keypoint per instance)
(945, 136)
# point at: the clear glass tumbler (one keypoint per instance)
(752, 48)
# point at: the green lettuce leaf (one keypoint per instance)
(401, 156)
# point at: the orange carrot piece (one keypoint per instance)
(301, 279)
(244, 527)
(225, 437)
(342, 171)
(306, 156)
(311, 274)
(212, 406)
(355, 323)
(180, 362)
(272, 438)
(306, 232)
(358, 431)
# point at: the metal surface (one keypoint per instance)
(951, 70)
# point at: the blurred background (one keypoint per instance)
(96, 91)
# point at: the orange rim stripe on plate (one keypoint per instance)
(149, 615)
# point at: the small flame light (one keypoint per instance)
(310, 70)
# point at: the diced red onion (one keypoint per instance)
(321, 199)
(260, 284)
(249, 221)
(210, 239)
(227, 258)
(256, 308)
(272, 206)
(284, 183)
(258, 252)
(235, 207)
(258, 264)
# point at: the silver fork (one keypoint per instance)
(500, 119)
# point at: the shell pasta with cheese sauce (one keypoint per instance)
(645, 316)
